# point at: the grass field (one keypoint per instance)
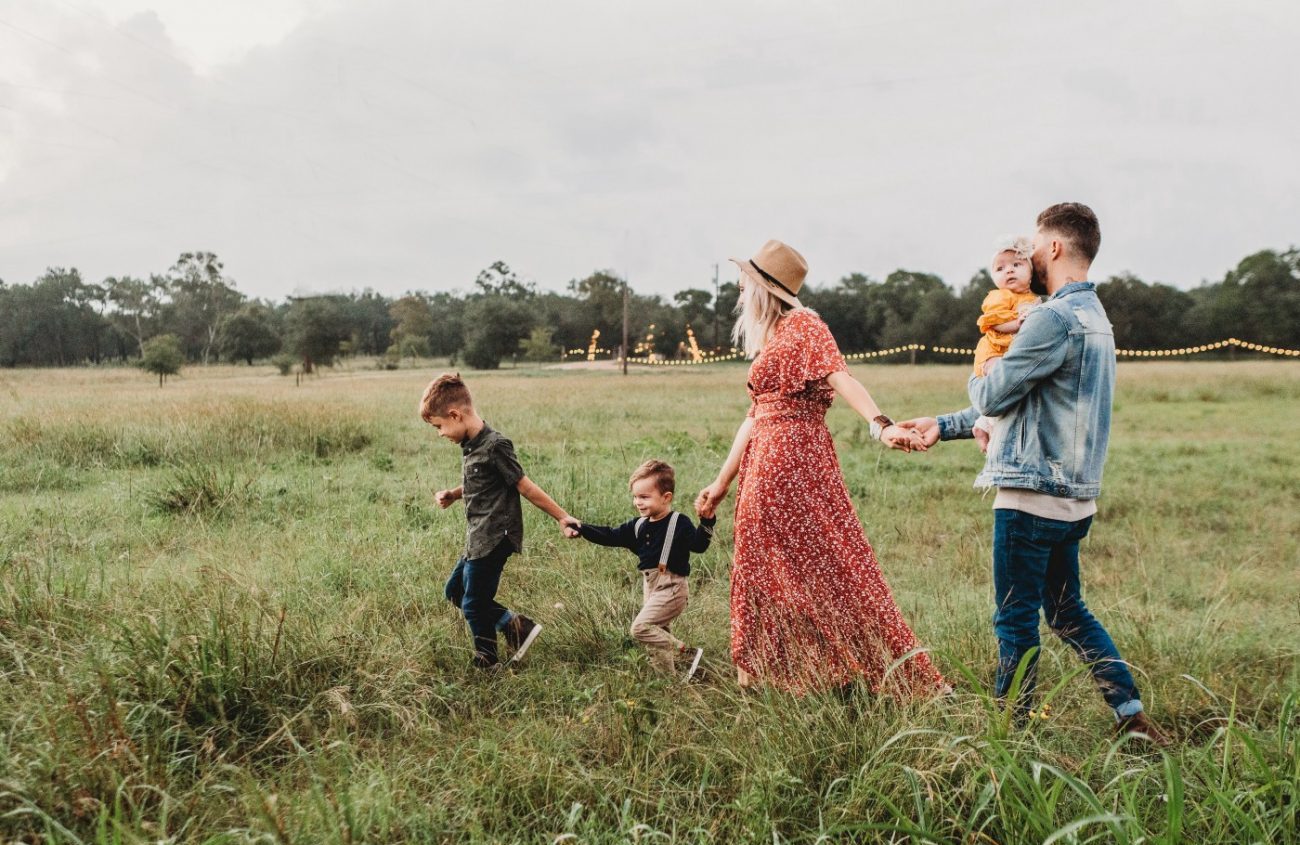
(221, 620)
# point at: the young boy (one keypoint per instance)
(492, 483)
(663, 541)
(1003, 310)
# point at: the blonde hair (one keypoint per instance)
(445, 392)
(662, 473)
(759, 311)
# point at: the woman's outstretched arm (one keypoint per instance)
(860, 400)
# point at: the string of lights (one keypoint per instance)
(734, 355)
(1209, 347)
(699, 357)
(881, 353)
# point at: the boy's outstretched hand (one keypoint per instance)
(446, 498)
(569, 525)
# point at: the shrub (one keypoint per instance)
(284, 363)
(198, 489)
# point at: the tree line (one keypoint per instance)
(195, 313)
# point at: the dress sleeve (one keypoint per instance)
(999, 307)
(812, 356)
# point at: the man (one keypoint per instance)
(1053, 388)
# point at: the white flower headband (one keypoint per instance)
(1022, 246)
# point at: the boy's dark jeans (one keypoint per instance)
(1036, 564)
(473, 588)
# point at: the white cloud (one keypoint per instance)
(398, 144)
(206, 35)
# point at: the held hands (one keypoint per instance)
(927, 428)
(445, 498)
(706, 504)
(898, 436)
(569, 525)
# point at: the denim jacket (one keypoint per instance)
(1053, 391)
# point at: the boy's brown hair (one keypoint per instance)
(445, 392)
(1076, 224)
(662, 473)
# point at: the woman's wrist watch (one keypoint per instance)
(879, 424)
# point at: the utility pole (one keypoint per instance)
(716, 290)
(625, 327)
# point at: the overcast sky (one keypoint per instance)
(407, 144)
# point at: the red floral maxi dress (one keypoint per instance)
(809, 607)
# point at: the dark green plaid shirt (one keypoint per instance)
(492, 508)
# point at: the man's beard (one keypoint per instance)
(1037, 278)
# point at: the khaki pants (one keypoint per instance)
(665, 596)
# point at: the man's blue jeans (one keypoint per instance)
(1036, 565)
(473, 588)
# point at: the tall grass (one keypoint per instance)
(245, 640)
(208, 432)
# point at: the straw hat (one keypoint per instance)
(779, 268)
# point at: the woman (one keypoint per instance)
(809, 607)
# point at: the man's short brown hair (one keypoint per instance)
(662, 473)
(445, 392)
(1076, 224)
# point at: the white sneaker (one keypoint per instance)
(695, 665)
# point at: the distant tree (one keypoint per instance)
(669, 325)
(162, 356)
(247, 334)
(15, 310)
(567, 316)
(414, 325)
(538, 346)
(1144, 316)
(412, 346)
(201, 296)
(60, 320)
(53, 321)
(447, 333)
(314, 329)
(961, 327)
(695, 306)
(851, 309)
(601, 295)
(724, 307)
(1202, 323)
(497, 316)
(914, 305)
(369, 324)
(500, 280)
(1269, 301)
(494, 326)
(136, 304)
(284, 363)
